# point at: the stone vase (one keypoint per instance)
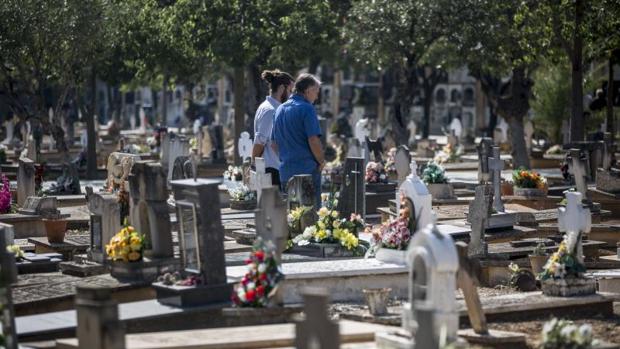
(55, 230)
(377, 298)
(568, 287)
(244, 205)
(537, 263)
(441, 191)
(389, 255)
(528, 192)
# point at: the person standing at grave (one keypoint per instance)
(296, 134)
(280, 88)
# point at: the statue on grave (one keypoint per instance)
(68, 183)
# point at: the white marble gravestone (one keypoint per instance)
(502, 131)
(414, 189)
(402, 160)
(362, 131)
(260, 179)
(245, 146)
(433, 263)
(456, 128)
(412, 128)
(574, 220)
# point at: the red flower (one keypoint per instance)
(248, 261)
(250, 295)
(262, 276)
(260, 255)
(260, 290)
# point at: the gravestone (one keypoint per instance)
(501, 134)
(245, 146)
(361, 131)
(374, 148)
(456, 128)
(201, 242)
(352, 193)
(412, 128)
(181, 169)
(402, 160)
(260, 179)
(148, 196)
(8, 233)
(10, 131)
(354, 149)
(433, 265)
(496, 165)
(8, 276)
(271, 220)
(416, 194)
(45, 207)
(300, 192)
(316, 330)
(119, 167)
(484, 152)
(578, 170)
(179, 146)
(206, 144)
(164, 158)
(98, 323)
(25, 180)
(105, 222)
(528, 130)
(575, 220)
(479, 214)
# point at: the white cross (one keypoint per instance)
(574, 220)
(259, 179)
(245, 146)
(414, 169)
(497, 165)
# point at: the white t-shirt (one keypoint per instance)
(263, 123)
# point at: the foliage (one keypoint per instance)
(5, 195)
(539, 250)
(260, 282)
(565, 334)
(551, 102)
(16, 250)
(523, 178)
(563, 263)
(295, 218)
(434, 174)
(126, 246)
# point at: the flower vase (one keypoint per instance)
(537, 263)
(377, 300)
(389, 255)
(55, 230)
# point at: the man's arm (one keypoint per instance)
(257, 151)
(317, 150)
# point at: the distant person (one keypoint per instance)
(296, 134)
(280, 88)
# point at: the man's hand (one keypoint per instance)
(321, 166)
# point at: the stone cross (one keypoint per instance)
(414, 190)
(361, 130)
(98, 324)
(577, 167)
(574, 220)
(478, 217)
(8, 276)
(352, 194)
(25, 180)
(271, 223)
(260, 179)
(496, 165)
(402, 159)
(317, 330)
(245, 146)
(484, 151)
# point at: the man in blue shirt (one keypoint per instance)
(296, 134)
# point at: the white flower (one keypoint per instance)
(568, 331)
(309, 232)
(303, 243)
(262, 267)
(250, 286)
(241, 295)
(336, 202)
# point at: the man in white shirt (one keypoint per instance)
(280, 87)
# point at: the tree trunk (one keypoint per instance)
(610, 97)
(255, 93)
(577, 124)
(91, 146)
(164, 102)
(426, 128)
(401, 106)
(520, 157)
(239, 90)
(492, 120)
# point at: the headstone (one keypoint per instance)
(10, 131)
(352, 193)
(105, 222)
(484, 151)
(502, 131)
(412, 128)
(433, 265)
(416, 194)
(179, 168)
(374, 148)
(402, 160)
(575, 220)
(317, 330)
(271, 220)
(479, 214)
(98, 324)
(46, 207)
(179, 146)
(354, 149)
(119, 167)
(245, 146)
(578, 169)
(25, 180)
(300, 190)
(206, 143)
(148, 196)
(456, 128)
(8, 233)
(496, 165)
(528, 130)
(164, 158)
(260, 179)
(8, 276)
(361, 130)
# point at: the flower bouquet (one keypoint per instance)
(298, 219)
(179, 279)
(448, 154)
(566, 335)
(375, 173)
(234, 173)
(390, 164)
(563, 274)
(242, 198)
(260, 283)
(126, 246)
(16, 250)
(435, 178)
(5, 195)
(528, 183)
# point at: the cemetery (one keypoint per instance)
(425, 175)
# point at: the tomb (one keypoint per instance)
(213, 161)
(417, 198)
(607, 190)
(201, 242)
(352, 196)
(34, 217)
(316, 330)
(25, 180)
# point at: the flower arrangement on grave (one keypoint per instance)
(390, 162)
(564, 263)
(242, 193)
(126, 246)
(434, 174)
(234, 173)
(260, 282)
(5, 195)
(179, 279)
(523, 178)
(193, 143)
(448, 154)
(566, 335)
(295, 218)
(375, 173)
(16, 250)
(394, 234)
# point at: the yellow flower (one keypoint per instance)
(336, 224)
(323, 212)
(320, 235)
(321, 224)
(334, 214)
(133, 256)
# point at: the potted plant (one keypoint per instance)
(242, 198)
(528, 183)
(538, 258)
(391, 239)
(435, 178)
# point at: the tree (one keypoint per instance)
(552, 98)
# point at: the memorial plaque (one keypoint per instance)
(95, 231)
(189, 236)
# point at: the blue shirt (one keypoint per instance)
(294, 123)
(263, 124)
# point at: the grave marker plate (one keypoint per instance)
(189, 236)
